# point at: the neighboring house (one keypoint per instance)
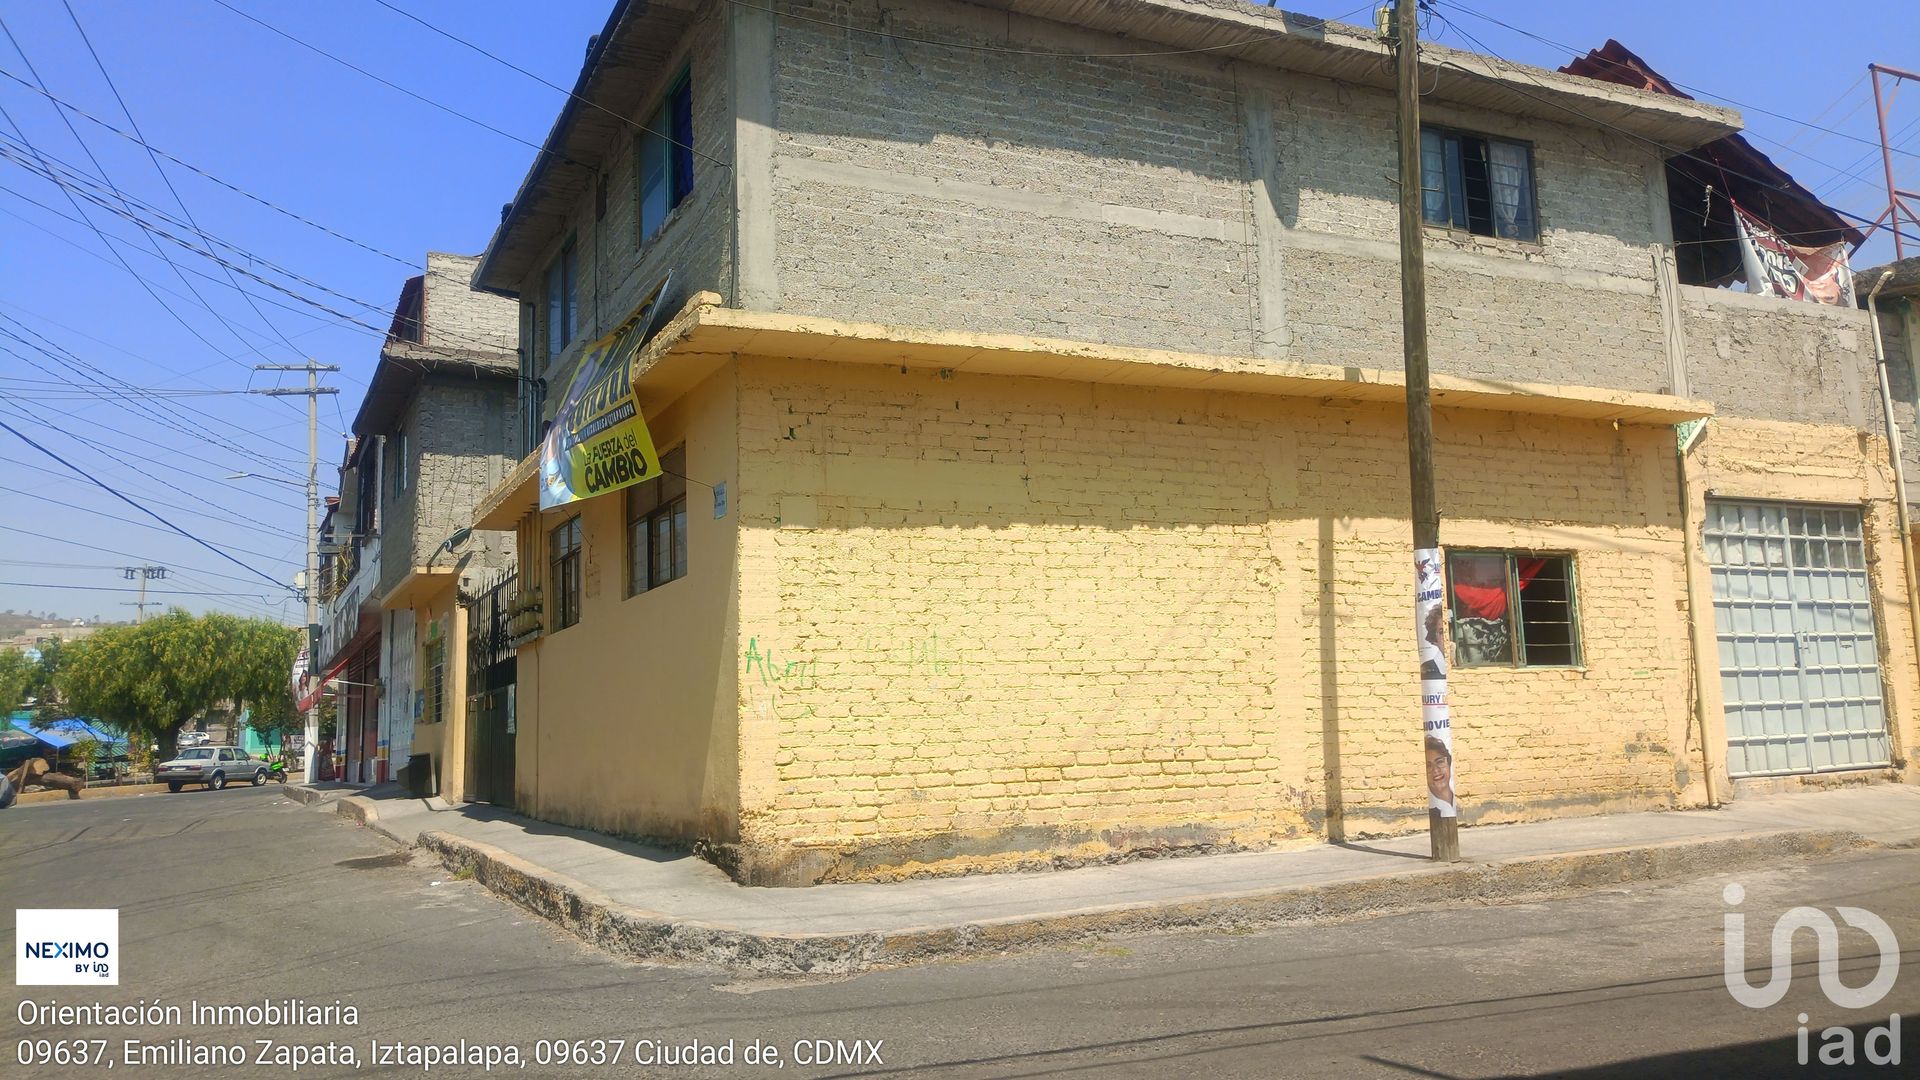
(433, 435)
(1037, 470)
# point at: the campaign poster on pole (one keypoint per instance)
(1436, 721)
(599, 441)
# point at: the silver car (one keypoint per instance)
(214, 766)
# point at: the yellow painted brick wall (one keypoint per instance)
(1766, 460)
(1024, 615)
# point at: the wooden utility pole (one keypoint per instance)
(1442, 828)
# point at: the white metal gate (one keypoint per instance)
(1799, 664)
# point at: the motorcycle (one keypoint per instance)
(277, 769)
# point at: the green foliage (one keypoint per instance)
(41, 685)
(16, 675)
(156, 675)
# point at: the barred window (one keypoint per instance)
(1512, 609)
(657, 526)
(563, 549)
(433, 710)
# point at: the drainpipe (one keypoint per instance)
(1899, 484)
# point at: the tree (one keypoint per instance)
(16, 675)
(156, 675)
(45, 669)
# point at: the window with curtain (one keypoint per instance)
(657, 526)
(563, 308)
(663, 155)
(1478, 184)
(1512, 609)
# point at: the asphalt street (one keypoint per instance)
(241, 897)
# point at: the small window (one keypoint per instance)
(663, 159)
(563, 308)
(1512, 609)
(399, 462)
(564, 550)
(657, 526)
(1479, 184)
(432, 710)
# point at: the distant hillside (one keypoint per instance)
(13, 624)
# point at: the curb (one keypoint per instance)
(638, 934)
(105, 791)
(364, 813)
(309, 796)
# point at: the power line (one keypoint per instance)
(21, 132)
(63, 504)
(204, 174)
(448, 109)
(164, 178)
(102, 485)
(70, 542)
(52, 350)
(123, 588)
(1522, 70)
(1684, 86)
(542, 80)
(255, 525)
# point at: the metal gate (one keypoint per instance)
(1799, 663)
(490, 691)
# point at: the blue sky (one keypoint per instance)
(294, 128)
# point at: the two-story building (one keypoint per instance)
(1035, 469)
(434, 434)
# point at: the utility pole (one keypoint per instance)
(143, 574)
(309, 587)
(1443, 810)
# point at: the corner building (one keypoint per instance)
(1041, 471)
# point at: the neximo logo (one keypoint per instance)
(66, 946)
(1836, 1043)
(68, 950)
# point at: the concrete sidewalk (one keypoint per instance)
(650, 903)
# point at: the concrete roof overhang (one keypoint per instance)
(706, 336)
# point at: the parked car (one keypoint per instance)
(193, 738)
(213, 766)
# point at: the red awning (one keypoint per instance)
(311, 697)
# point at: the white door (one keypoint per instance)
(1799, 663)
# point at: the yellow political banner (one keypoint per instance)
(599, 441)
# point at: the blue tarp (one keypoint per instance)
(64, 732)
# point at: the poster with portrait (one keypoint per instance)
(1436, 722)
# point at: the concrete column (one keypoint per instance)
(756, 282)
(1272, 337)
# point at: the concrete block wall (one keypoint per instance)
(460, 441)
(1771, 359)
(1900, 335)
(989, 622)
(1184, 202)
(613, 268)
(458, 317)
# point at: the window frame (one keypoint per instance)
(562, 301)
(666, 121)
(661, 500)
(1517, 645)
(563, 573)
(399, 444)
(1449, 225)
